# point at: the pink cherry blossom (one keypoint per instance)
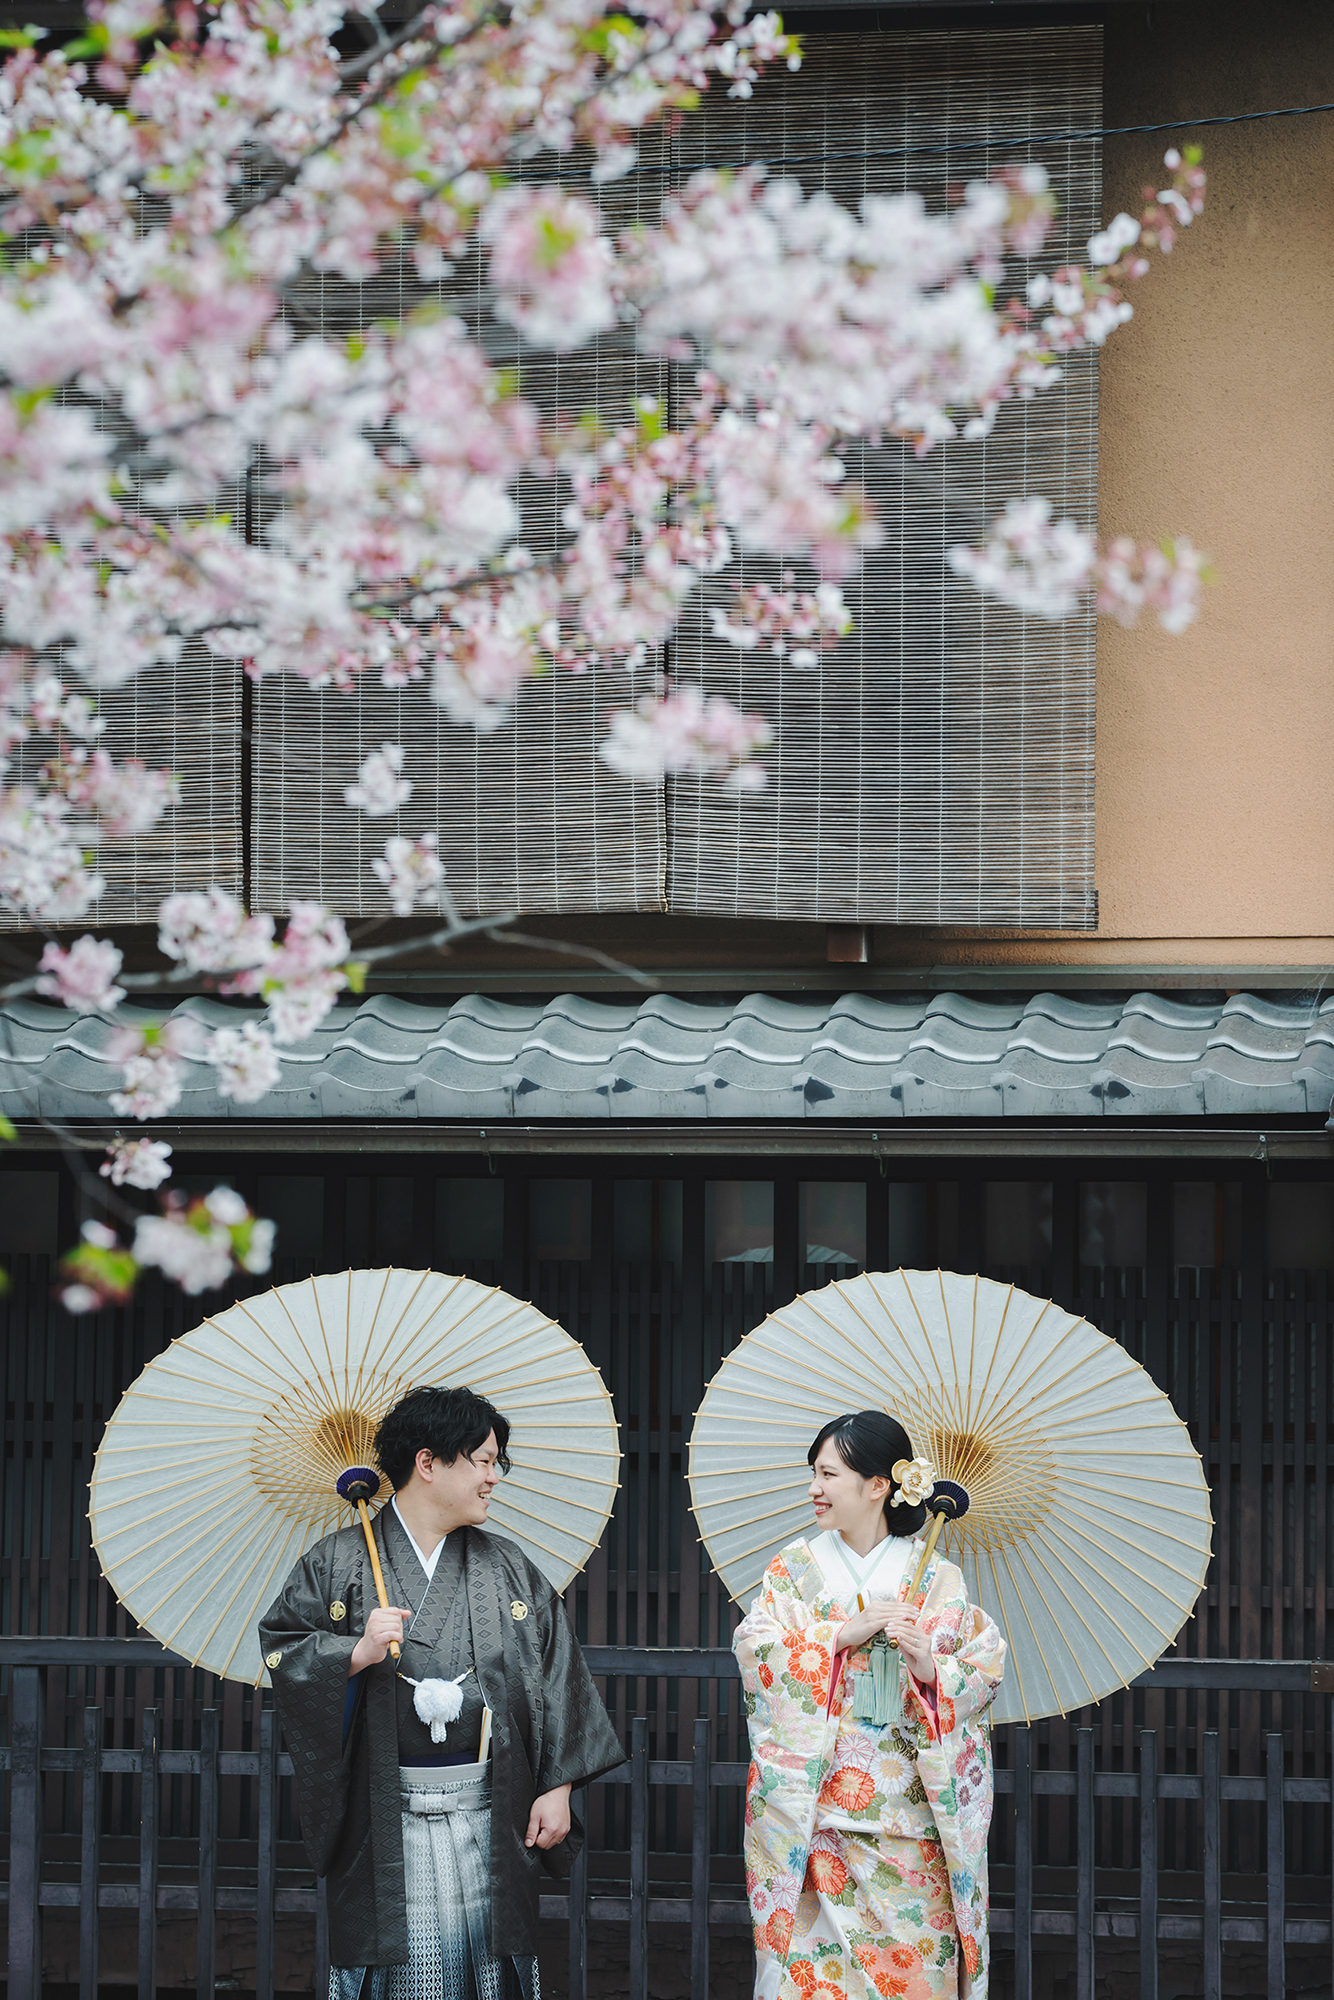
(210, 931)
(679, 729)
(411, 872)
(1043, 567)
(302, 977)
(550, 264)
(84, 977)
(139, 1163)
(380, 788)
(246, 1061)
(198, 1243)
(153, 1066)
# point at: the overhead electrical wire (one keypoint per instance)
(990, 144)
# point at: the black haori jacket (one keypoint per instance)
(549, 1727)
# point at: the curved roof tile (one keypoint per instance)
(861, 1055)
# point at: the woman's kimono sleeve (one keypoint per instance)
(954, 1754)
(786, 1654)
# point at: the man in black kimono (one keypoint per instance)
(433, 1856)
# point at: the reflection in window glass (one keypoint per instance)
(738, 1222)
(29, 1222)
(1299, 1226)
(469, 1222)
(296, 1203)
(910, 1225)
(1018, 1222)
(1113, 1222)
(646, 1222)
(832, 1221)
(560, 1220)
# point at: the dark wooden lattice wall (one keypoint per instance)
(1240, 1343)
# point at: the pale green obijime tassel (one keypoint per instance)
(877, 1694)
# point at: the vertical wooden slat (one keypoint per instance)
(578, 1906)
(1277, 1859)
(700, 1859)
(1084, 1808)
(148, 1853)
(90, 1843)
(267, 1856)
(27, 1816)
(206, 1938)
(1022, 1740)
(1148, 1864)
(322, 1940)
(639, 1858)
(1213, 1865)
(1251, 1552)
(788, 1254)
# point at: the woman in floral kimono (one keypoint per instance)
(866, 1840)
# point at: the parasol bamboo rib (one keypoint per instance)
(264, 1406)
(1051, 1428)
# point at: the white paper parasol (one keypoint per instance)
(217, 1469)
(1088, 1534)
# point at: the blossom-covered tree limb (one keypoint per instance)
(167, 188)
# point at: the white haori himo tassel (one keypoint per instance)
(438, 1703)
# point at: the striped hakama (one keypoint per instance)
(447, 1879)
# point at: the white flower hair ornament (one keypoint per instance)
(916, 1481)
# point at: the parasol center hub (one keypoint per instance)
(300, 1448)
(1007, 1468)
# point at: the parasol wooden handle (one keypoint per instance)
(932, 1537)
(363, 1512)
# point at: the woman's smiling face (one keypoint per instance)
(841, 1498)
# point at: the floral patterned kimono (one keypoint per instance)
(866, 1847)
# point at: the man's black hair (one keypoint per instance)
(449, 1423)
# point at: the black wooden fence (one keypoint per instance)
(1209, 1921)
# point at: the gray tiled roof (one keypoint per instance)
(860, 1056)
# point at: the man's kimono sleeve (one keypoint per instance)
(578, 1741)
(310, 1685)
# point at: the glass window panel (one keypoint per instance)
(1194, 1223)
(1113, 1222)
(358, 1252)
(947, 1226)
(738, 1222)
(1018, 1222)
(296, 1203)
(560, 1220)
(632, 1222)
(1206, 1223)
(832, 1221)
(1299, 1226)
(29, 1213)
(393, 1219)
(646, 1222)
(910, 1231)
(469, 1221)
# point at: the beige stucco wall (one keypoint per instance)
(1215, 769)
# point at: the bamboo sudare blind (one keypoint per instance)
(938, 768)
(183, 717)
(526, 816)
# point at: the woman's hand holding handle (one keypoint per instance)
(899, 1623)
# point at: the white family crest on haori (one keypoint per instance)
(218, 1468)
(1088, 1533)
